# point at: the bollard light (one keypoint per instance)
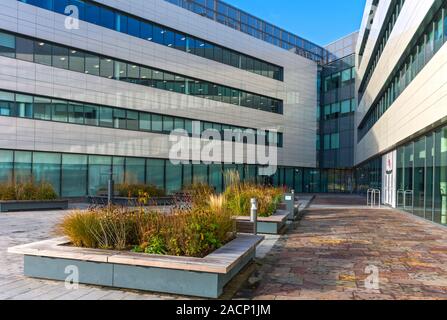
(254, 215)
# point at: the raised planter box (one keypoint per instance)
(6, 206)
(200, 277)
(274, 224)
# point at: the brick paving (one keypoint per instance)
(323, 258)
(326, 257)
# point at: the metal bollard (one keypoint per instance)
(254, 215)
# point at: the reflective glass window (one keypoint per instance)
(60, 57)
(7, 45)
(7, 104)
(25, 49)
(24, 106)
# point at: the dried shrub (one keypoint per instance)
(238, 196)
(193, 233)
(135, 190)
(27, 191)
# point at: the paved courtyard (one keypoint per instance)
(327, 256)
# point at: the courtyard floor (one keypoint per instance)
(338, 245)
(328, 255)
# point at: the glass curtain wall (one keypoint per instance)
(422, 177)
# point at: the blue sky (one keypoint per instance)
(320, 21)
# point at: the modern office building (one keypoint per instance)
(80, 100)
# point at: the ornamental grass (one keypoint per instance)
(238, 196)
(192, 233)
(27, 191)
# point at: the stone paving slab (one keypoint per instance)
(326, 257)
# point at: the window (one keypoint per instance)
(169, 80)
(146, 76)
(157, 123)
(180, 41)
(132, 120)
(107, 18)
(179, 123)
(7, 45)
(76, 61)
(169, 38)
(75, 113)
(120, 70)
(7, 104)
(335, 141)
(42, 108)
(92, 13)
(155, 172)
(146, 31)
(24, 105)
(327, 142)
(173, 177)
(106, 117)
(135, 170)
(168, 123)
(158, 34)
(188, 126)
(133, 73)
(43, 53)
(119, 119)
(346, 106)
(179, 85)
(106, 68)
(158, 79)
(335, 108)
(98, 173)
(47, 168)
(22, 166)
(121, 23)
(25, 49)
(145, 121)
(91, 115)
(346, 77)
(91, 64)
(59, 111)
(6, 166)
(74, 175)
(60, 57)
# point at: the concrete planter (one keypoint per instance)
(200, 277)
(6, 206)
(274, 224)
